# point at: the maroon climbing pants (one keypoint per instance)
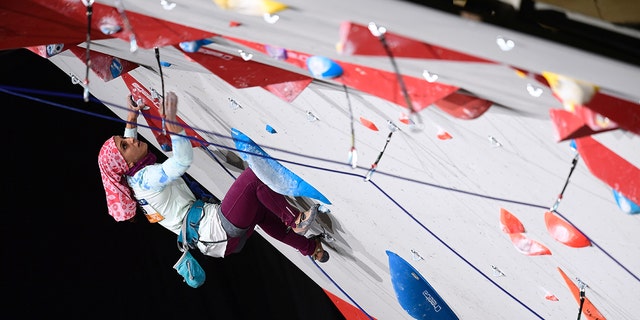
(250, 202)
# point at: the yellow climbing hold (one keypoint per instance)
(571, 92)
(251, 7)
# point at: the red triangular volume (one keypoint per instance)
(149, 32)
(105, 66)
(348, 310)
(608, 166)
(30, 23)
(240, 73)
(65, 22)
(509, 223)
(579, 123)
(588, 309)
(386, 86)
(594, 120)
(625, 114)
(288, 91)
(568, 125)
(564, 232)
(463, 106)
(356, 39)
(153, 114)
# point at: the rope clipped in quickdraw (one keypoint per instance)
(163, 139)
(582, 297)
(374, 166)
(89, 5)
(574, 162)
(379, 32)
(353, 154)
(133, 43)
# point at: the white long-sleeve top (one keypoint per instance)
(162, 186)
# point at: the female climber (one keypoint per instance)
(131, 177)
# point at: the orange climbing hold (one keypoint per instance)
(528, 246)
(509, 223)
(551, 297)
(444, 135)
(564, 232)
(367, 123)
(588, 309)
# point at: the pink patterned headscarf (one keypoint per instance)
(112, 169)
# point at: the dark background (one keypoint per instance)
(63, 255)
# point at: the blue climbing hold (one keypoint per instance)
(270, 129)
(323, 67)
(110, 28)
(194, 46)
(573, 145)
(271, 172)
(415, 294)
(115, 67)
(625, 204)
